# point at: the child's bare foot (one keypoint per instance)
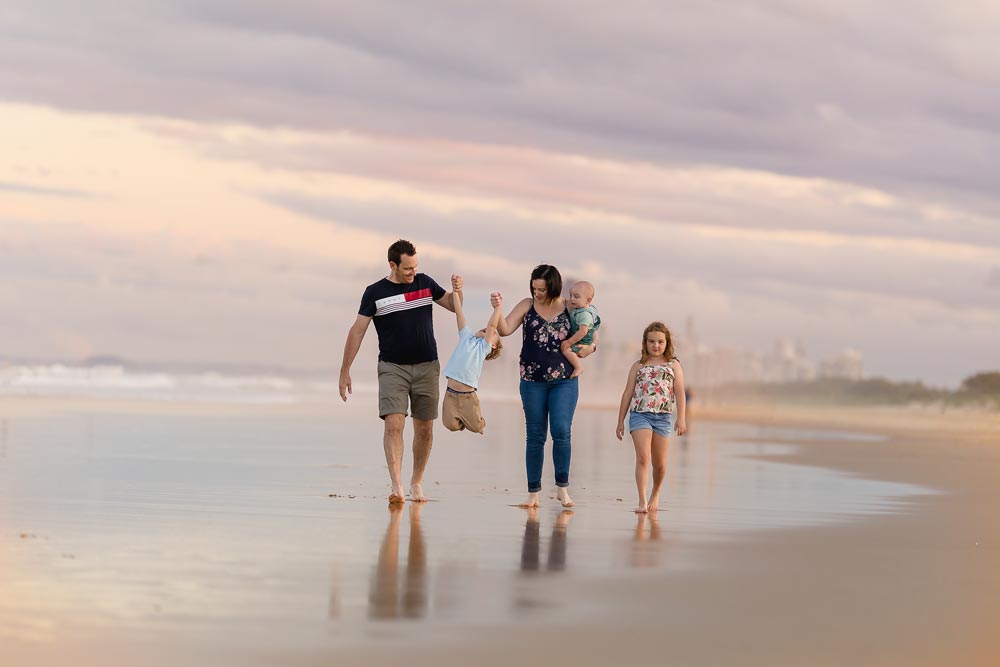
(563, 495)
(577, 372)
(532, 501)
(417, 493)
(654, 503)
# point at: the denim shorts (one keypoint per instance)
(660, 423)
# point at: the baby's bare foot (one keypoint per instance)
(577, 372)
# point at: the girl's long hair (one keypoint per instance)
(668, 352)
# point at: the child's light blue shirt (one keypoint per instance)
(466, 362)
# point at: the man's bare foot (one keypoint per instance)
(577, 372)
(563, 495)
(654, 503)
(532, 501)
(417, 493)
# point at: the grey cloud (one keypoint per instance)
(730, 263)
(23, 188)
(798, 88)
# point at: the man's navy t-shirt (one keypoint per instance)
(404, 318)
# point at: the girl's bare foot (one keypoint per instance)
(654, 503)
(417, 493)
(563, 495)
(532, 501)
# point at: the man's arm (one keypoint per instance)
(456, 300)
(449, 299)
(351, 347)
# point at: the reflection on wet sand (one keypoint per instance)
(645, 554)
(532, 545)
(386, 600)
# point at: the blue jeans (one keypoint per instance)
(548, 404)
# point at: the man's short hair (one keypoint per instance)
(400, 248)
(552, 278)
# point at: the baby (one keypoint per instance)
(584, 323)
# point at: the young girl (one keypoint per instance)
(654, 392)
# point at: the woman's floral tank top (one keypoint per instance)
(654, 390)
(541, 358)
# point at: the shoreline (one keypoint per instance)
(916, 587)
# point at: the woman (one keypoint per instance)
(548, 394)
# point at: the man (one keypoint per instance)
(408, 368)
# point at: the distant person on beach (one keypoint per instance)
(548, 393)
(408, 368)
(461, 409)
(584, 323)
(654, 393)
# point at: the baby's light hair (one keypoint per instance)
(587, 287)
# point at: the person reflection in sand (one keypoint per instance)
(385, 600)
(531, 547)
(645, 554)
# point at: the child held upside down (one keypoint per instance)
(461, 408)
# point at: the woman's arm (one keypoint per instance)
(507, 326)
(626, 398)
(680, 397)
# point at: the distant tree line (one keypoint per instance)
(979, 389)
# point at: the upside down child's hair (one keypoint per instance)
(495, 352)
(660, 327)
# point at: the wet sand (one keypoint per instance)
(755, 561)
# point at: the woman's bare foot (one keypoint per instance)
(563, 495)
(654, 503)
(532, 501)
(643, 508)
(417, 493)
(396, 498)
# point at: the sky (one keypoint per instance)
(217, 182)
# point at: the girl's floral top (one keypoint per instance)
(654, 390)
(541, 358)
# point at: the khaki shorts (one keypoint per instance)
(413, 385)
(462, 411)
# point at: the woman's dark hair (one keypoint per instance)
(400, 248)
(552, 278)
